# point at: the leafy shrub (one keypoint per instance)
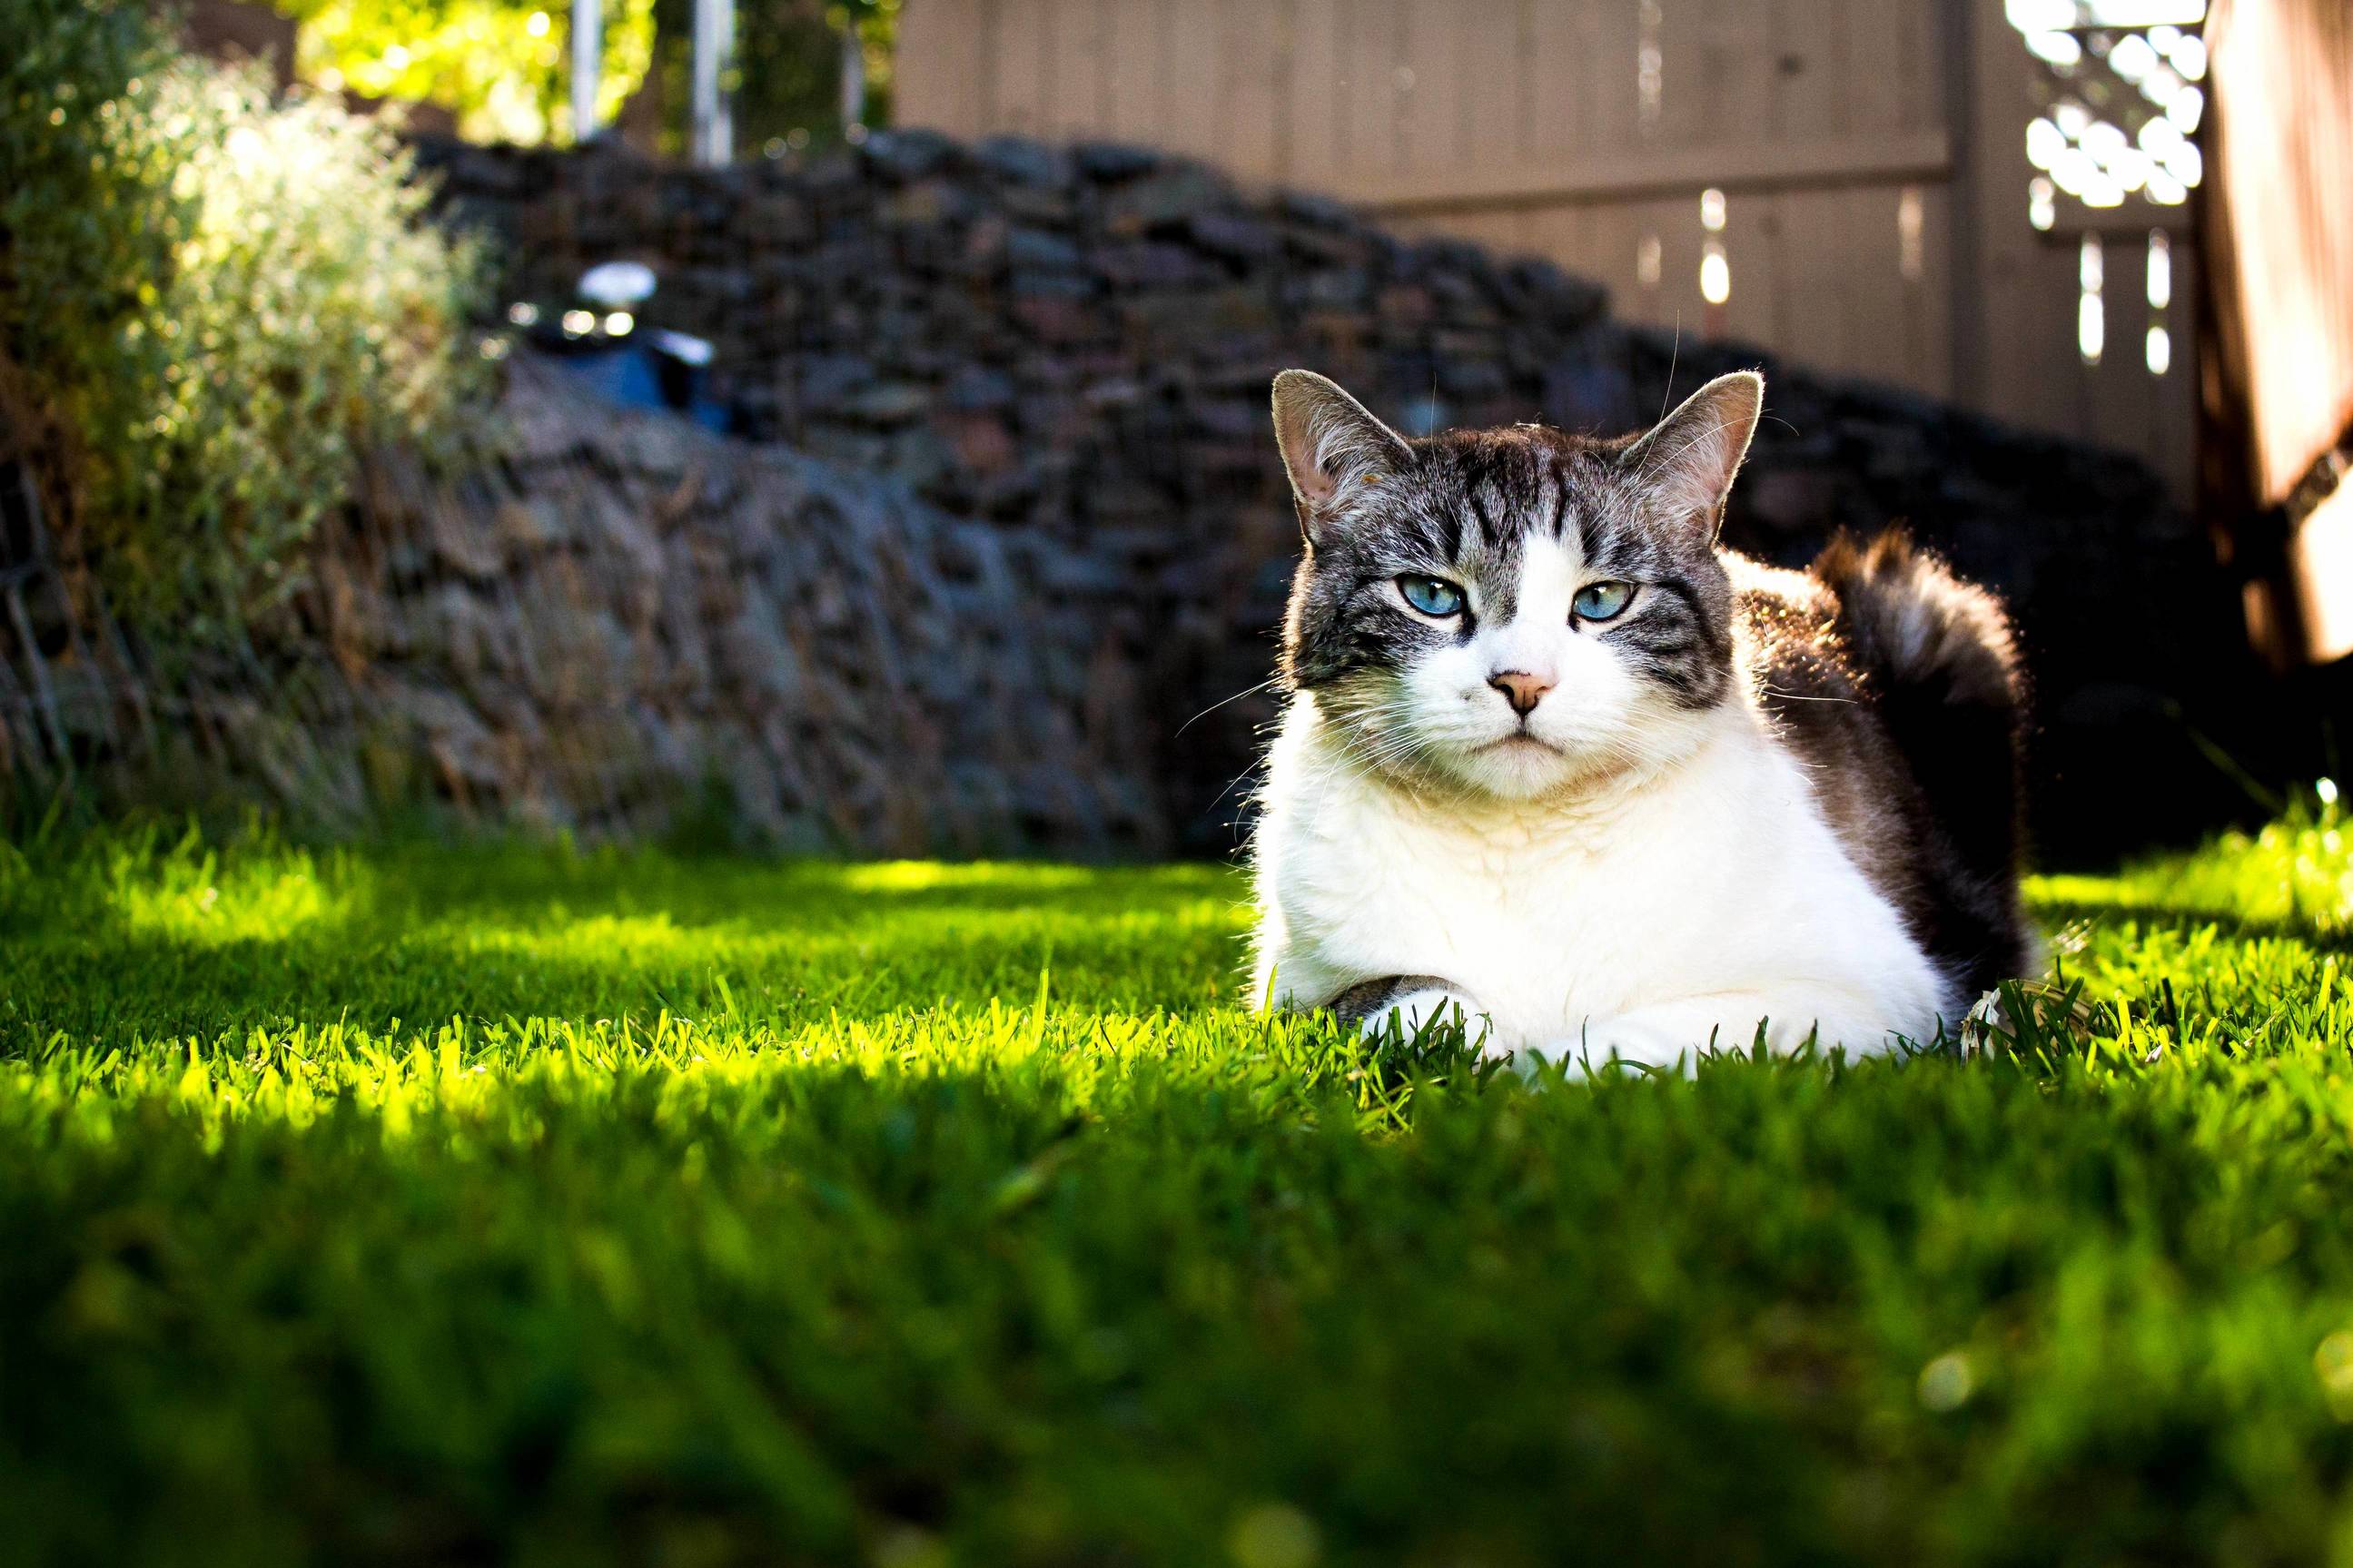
(223, 299)
(86, 208)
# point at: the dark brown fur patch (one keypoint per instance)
(1899, 684)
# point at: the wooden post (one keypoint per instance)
(2279, 306)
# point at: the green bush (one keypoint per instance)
(86, 208)
(223, 299)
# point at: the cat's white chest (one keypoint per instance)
(1717, 878)
(1544, 924)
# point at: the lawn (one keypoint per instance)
(422, 1203)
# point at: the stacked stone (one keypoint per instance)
(608, 617)
(605, 622)
(1074, 343)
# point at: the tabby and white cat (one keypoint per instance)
(1555, 759)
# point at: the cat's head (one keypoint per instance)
(1510, 612)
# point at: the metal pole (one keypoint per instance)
(588, 63)
(853, 76)
(715, 50)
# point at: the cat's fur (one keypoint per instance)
(1754, 800)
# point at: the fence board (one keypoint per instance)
(2169, 442)
(1929, 300)
(1812, 308)
(1737, 71)
(1135, 35)
(1752, 244)
(1023, 59)
(1877, 297)
(1606, 78)
(1313, 101)
(1188, 72)
(1675, 220)
(1079, 66)
(1252, 37)
(987, 67)
(1487, 89)
(922, 69)
(1615, 234)
(1560, 104)
(1363, 136)
(1686, 111)
(1882, 89)
(2123, 393)
(1424, 82)
(1811, 101)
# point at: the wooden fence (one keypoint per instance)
(1841, 181)
(2281, 431)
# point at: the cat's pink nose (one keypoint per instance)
(1520, 688)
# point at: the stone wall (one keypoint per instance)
(1074, 344)
(601, 622)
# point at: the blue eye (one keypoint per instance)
(1601, 601)
(1431, 595)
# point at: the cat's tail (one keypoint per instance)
(1943, 660)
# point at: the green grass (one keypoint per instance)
(433, 1204)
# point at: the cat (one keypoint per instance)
(1555, 763)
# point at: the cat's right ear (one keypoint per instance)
(1331, 446)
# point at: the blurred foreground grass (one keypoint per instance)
(429, 1204)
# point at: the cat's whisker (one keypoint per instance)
(1237, 697)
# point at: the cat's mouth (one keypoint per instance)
(1515, 740)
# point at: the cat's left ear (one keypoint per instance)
(1688, 461)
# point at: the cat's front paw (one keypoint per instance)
(1411, 1014)
(1625, 1039)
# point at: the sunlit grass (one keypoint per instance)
(423, 1203)
(2297, 871)
(265, 894)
